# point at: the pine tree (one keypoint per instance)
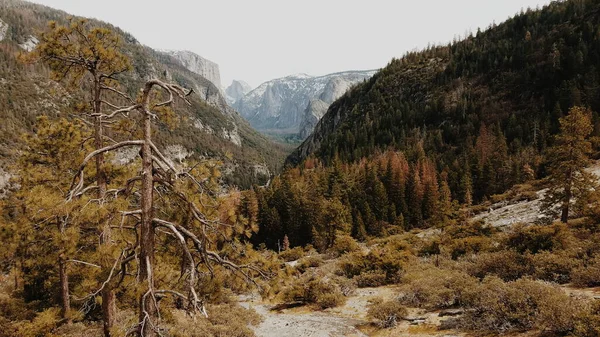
(567, 160)
(84, 55)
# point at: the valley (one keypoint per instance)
(151, 192)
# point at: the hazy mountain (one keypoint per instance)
(281, 105)
(236, 90)
(198, 64)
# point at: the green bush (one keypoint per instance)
(386, 314)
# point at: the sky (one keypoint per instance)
(259, 40)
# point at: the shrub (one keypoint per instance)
(469, 245)
(345, 244)
(292, 254)
(324, 293)
(386, 314)
(309, 262)
(370, 279)
(521, 305)
(554, 267)
(587, 276)
(508, 265)
(385, 260)
(534, 239)
(434, 288)
(587, 323)
(42, 325)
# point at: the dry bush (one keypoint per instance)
(470, 245)
(587, 323)
(344, 244)
(509, 265)
(224, 320)
(588, 275)
(554, 267)
(314, 289)
(537, 238)
(521, 305)
(42, 325)
(309, 262)
(386, 314)
(427, 286)
(292, 254)
(387, 259)
(370, 279)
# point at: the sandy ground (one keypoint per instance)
(348, 320)
(294, 323)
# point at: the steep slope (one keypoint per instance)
(280, 105)
(483, 108)
(237, 90)
(208, 128)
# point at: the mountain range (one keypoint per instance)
(293, 104)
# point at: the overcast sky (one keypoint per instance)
(259, 40)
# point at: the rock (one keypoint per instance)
(451, 312)
(3, 29)
(30, 44)
(417, 322)
(198, 64)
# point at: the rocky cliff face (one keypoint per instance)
(286, 104)
(198, 64)
(3, 30)
(236, 90)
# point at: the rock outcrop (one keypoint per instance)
(3, 29)
(198, 64)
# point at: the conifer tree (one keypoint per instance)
(90, 56)
(567, 160)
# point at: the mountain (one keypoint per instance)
(198, 64)
(283, 105)
(237, 90)
(484, 108)
(208, 128)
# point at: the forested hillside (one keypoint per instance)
(207, 128)
(483, 109)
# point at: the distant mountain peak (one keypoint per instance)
(282, 104)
